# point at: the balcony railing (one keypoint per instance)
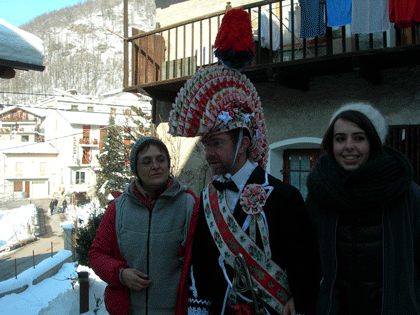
(17, 118)
(19, 130)
(178, 51)
(88, 141)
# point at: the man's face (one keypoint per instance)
(220, 152)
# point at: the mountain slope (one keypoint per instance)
(80, 51)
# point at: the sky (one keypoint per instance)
(58, 295)
(19, 12)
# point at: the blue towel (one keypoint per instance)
(338, 12)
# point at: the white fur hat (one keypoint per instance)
(372, 113)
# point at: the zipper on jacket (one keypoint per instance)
(147, 261)
(355, 266)
(336, 263)
(383, 258)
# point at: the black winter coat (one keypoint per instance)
(361, 280)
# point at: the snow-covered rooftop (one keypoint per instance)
(36, 111)
(92, 119)
(20, 49)
(27, 147)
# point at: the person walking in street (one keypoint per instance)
(64, 204)
(251, 225)
(52, 206)
(55, 204)
(140, 245)
(366, 209)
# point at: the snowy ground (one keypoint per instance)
(16, 225)
(58, 294)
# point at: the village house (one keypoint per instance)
(51, 149)
(26, 169)
(77, 133)
(301, 81)
(114, 102)
(21, 124)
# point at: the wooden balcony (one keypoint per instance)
(86, 142)
(159, 62)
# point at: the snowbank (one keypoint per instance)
(16, 225)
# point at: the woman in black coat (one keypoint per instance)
(366, 208)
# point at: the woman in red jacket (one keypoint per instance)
(139, 249)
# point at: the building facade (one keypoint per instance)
(54, 148)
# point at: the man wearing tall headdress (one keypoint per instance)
(254, 248)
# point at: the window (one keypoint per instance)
(19, 169)
(73, 107)
(90, 109)
(297, 165)
(86, 134)
(86, 159)
(18, 186)
(127, 112)
(25, 138)
(80, 178)
(42, 168)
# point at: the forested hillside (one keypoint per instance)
(80, 51)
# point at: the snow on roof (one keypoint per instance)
(119, 93)
(92, 119)
(19, 46)
(9, 147)
(85, 118)
(36, 111)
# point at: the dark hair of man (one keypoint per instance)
(146, 145)
(363, 123)
(234, 135)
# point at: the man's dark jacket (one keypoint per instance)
(292, 240)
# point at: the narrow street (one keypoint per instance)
(51, 232)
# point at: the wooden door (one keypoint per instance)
(148, 53)
(27, 189)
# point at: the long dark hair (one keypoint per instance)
(363, 123)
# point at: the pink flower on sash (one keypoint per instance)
(253, 199)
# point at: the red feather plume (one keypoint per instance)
(234, 43)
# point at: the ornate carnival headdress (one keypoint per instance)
(219, 98)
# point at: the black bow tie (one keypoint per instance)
(229, 184)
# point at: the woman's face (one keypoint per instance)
(350, 145)
(152, 168)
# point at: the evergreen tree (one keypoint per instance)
(86, 235)
(134, 129)
(115, 171)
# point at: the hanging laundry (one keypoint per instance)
(312, 18)
(338, 12)
(370, 16)
(265, 29)
(404, 13)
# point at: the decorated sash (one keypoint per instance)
(231, 239)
